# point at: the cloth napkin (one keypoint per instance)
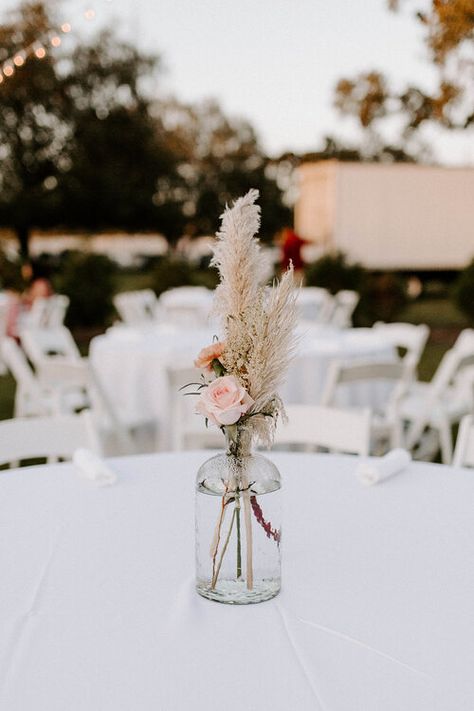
(92, 467)
(372, 471)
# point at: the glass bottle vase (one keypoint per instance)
(238, 525)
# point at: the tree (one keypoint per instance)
(449, 39)
(34, 127)
(80, 147)
(220, 159)
(120, 153)
(85, 145)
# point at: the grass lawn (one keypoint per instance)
(7, 392)
(441, 316)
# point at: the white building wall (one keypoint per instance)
(392, 216)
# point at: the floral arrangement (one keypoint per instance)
(250, 362)
(242, 371)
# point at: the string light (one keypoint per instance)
(37, 49)
(19, 59)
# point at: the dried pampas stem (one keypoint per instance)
(248, 538)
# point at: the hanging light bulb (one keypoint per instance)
(8, 70)
(56, 41)
(19, 59)
(89, 14)
(40, 52)
(65, 27)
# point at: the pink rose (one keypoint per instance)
(208, 354)
(224, 401)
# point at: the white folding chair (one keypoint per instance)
(187, 429)
(334, 429)
(51, 438)
(464, 450)
(64, 379)
(53, 342)
(58, 305)
(386, 423)
(406, 336)
(345, 303)
(136, 308)
(187, 306)
(37, 316)
(30, 397)
(433, 408)
(314, 304)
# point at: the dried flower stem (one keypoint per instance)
(248, 537)
(239, 540)
(216, 574)
(217, 533)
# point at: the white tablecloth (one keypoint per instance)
(131, 364)
(98, 610)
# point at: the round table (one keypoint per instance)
(98, 610)
(131, 364)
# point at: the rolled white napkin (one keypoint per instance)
(92, 467)
(372, 471)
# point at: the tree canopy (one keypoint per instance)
(86, 145)
(449, 40)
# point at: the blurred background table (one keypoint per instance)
(132, 365)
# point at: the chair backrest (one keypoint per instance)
(136, 307)
(398, 372)
(454, 364)
(18, 365)
(58, 305)
(46, 437)
(37, 316)
(314, 304)
(180, 293)
(45, 343)
(465, 340)
(335, 429)
(412, 338)
(464, 450)
(396, 375)
(188, 306)
(345, 304)
(61, 377)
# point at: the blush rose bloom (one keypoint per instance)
(208, 354)
(224, 401)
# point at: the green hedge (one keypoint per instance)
(382, 294)
(89, 281)
(463, 292)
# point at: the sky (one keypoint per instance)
(276, 62)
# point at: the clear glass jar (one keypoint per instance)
(238, 525)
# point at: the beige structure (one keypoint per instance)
(396, 216)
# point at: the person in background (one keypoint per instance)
(291, 245)
(36, 276)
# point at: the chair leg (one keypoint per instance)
(396, 437)
(446, 443)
